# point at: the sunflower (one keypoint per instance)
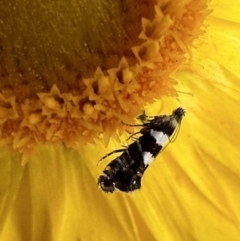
(190, 192)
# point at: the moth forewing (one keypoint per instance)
(125, 171)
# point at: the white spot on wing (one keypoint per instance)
(147, 158)
(160, 137)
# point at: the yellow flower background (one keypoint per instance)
(190, 192)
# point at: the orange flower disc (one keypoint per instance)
(71, 71)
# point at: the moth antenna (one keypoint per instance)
(110, 153)
(133, 138)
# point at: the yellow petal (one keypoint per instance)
(191, 190)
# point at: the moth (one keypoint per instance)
(125, 172)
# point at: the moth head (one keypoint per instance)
(177, 117)
(178, 114)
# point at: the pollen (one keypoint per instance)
(58, 91)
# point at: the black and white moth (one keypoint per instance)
(125, 172)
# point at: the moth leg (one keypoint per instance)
(132, 135)
(144, 117)
(110, 153)
(136, 125)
